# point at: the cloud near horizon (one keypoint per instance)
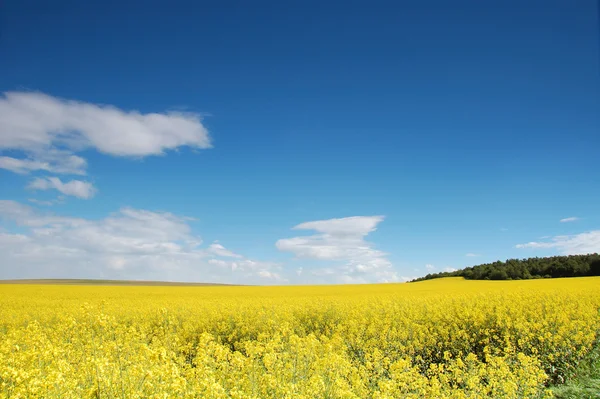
(342, 241)
(128, 244)
(577, 244)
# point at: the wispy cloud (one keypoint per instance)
(472, 255)
(75, 188)
(449, 269)
(49, 131)
(219, 250)
(58, 200)
(429, 267)
(128, 244)
(570, 219)
(342, 240)
(49, 160)
(583, 243)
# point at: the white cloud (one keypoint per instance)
(219, 262)
(49, 131)
(265, 270)
(271, 275)
(471, 255)
(75, 188)
(583, 243)
(58, 200)
(449, 269)
(570, 219)
(219, 250)
(429, 267)
(350, 226)
(51, 160)
(129, 244)
(342, 240)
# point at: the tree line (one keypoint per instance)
(523, 269)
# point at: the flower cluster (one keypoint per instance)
(447, 338)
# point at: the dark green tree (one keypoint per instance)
(523, 269)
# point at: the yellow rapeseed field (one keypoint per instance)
(446, 338)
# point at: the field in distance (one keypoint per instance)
(108, 282)
(445, 338)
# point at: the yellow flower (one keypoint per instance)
(447, 338)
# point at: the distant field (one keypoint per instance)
(108, 282)
(445, 338)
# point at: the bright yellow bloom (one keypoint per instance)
(446, 338)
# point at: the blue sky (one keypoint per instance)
(186, 140)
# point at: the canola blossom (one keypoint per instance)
(446, 338)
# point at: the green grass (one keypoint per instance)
(585, 383)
